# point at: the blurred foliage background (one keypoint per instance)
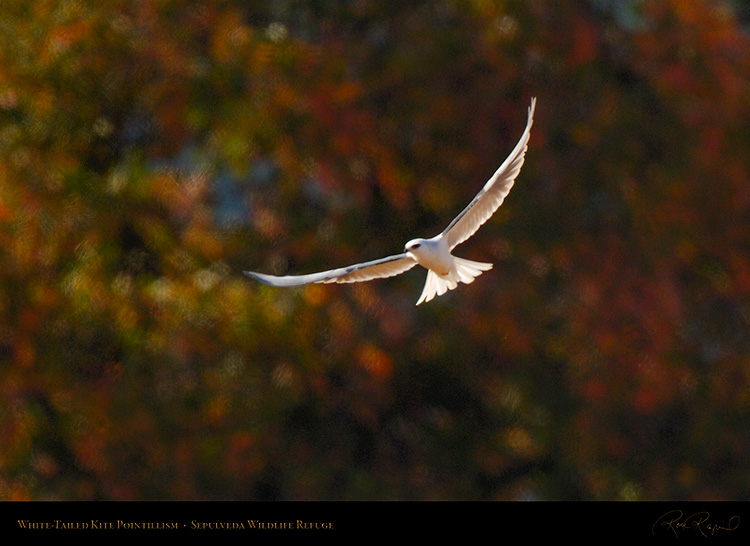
(151, 150)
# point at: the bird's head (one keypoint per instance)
(414, 245)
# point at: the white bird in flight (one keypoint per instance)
(444, 270)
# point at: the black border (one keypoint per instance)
(673, 522)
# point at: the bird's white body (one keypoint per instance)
(432, 254)
(444, 270)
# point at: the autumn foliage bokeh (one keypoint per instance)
(152, 150)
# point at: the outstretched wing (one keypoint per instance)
(376, 269)
(492, 194)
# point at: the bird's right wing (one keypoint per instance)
(492, 195)
(376, 269)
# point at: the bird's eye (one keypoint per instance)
(416, 245)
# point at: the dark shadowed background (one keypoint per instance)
(152, 150)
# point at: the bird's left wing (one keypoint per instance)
(376, 269)
(492, 195)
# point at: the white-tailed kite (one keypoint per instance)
(444, 271)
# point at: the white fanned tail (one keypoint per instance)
(464, 271)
